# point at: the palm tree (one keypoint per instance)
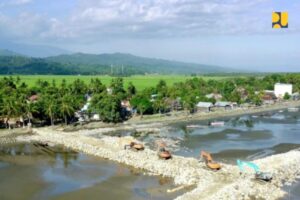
(30, 108)
(50, 107)
(10, 108)
(66, 107)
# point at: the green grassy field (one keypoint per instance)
(139, 81)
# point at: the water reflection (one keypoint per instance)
(43, 172)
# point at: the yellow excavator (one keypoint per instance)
(134, 146)
(210, 163)
(162, 152)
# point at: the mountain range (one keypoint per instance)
(12, 62)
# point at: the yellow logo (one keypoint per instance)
(280, 20)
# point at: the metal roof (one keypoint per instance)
(223, 103)
(204, 104)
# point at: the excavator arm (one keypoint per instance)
(265, 176)
(242, 164)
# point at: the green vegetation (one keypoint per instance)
(139, 81)
(52, 102)
(104, 64)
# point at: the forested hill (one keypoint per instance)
(148, 65)
(5, 52)
(112, 64)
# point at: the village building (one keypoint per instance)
(109, 91)
(126, 105)
(173, 104)
(153, 97)
(269, 97)
(33, 98)
(204, 106)
(176, 104)
(280, 89)
(243, 92)
(295, 96)
(224, 105)
(95, 117)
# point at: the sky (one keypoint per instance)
(230, 33)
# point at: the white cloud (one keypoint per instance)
(91, 20)
(162, 18)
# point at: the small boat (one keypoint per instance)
(194, 126)
(293, 109)
(209, 161)
(220, 123)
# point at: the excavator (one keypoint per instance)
(162, 152)
(134, 146)
(262, 176)
(210, 163)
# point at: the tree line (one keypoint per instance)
(48, 103)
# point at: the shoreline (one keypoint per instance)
(152, 123)
(224, 184)
(214, 114)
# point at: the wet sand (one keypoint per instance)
(27, 173)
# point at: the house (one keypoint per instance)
(173, 104)
(224, 105)
(243, 92)
(280, 89)
(295, 96)
(95, 117)
(153, 97)
(215, 96)
(126, 105)
(176, 104)
(269, 97)
(204, 106)
(109, 91)
(33, 98)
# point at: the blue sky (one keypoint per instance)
(233, 33)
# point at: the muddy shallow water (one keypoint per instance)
(35, 172)
(247, 137)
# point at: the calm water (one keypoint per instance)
(246, 137)
(293, 192)
(33, 172)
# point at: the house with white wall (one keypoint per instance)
(281, 88)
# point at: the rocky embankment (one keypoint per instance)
(224, 184)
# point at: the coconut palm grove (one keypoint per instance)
(49, 103)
